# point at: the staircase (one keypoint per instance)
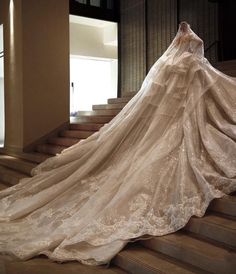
(228, 67)
(205, 245)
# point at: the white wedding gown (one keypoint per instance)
(161, 160)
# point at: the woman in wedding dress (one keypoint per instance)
(161, 160)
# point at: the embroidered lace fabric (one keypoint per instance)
(161, 160)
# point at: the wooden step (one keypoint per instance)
(42, 265)
(17, 164)
(118, 100)
(225, 205)
(99, 112)
(109, 106)
(2, 187)
(80, 134)
(214, 227)
(231, 72)
(34, 157)
(9, 176)
(60, 141)
(196, 252)
(49, 149)
(139, 260)
(91, 119)
(129, 94)
(226, 64)
(88, 127)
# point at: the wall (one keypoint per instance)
(45, 66)
(36, 69)
(89, 41)
(13, 86)
(147, 28)
(203, 18)
(227, 26)
(132, 41)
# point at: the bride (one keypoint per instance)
(161, 160)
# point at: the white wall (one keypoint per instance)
(86, 40)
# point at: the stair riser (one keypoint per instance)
(211, 231)
(86, 127)
(133, 267)
(109, 106)
(67, 142)
(223, 205)
(128, 94)
(76, 134)
(190, 256)
(93, 119)
(118, 100)
(51, 151)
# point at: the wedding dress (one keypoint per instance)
(161, 160)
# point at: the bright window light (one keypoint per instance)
(93, 81)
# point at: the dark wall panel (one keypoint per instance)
(147, 27)
(161, 27)
(203, 17)
(132, 44)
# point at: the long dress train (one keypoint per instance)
(161, 160)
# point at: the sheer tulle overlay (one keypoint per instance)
(161, 160)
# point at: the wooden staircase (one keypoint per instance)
(205, 245)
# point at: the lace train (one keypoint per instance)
(161, 160)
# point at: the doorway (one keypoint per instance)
(93, 62)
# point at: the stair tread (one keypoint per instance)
(118, 100)
(10, 176)
(16, 163)
(109, 106)
(214, 227)
(226, 205)
(99, 112)
(138, 259)
(217, 220)
(34, 157)
(195, 251)
(43, 265)
(184, 240)
(91, 119)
